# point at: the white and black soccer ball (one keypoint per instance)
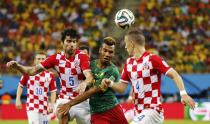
(124, 18)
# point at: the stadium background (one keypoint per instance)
(177, 30)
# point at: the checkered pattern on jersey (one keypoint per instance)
(145, 82)
(37, 92)
(70, 75)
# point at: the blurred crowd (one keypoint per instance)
(179, 30)
(30, 25)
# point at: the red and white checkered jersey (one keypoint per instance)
(70, 71)
(145, 75)
(38, 87)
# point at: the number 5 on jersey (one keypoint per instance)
(71, 81)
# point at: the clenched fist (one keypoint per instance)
(12, 64)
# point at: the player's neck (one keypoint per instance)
(68, 55)
(138, 52)
(101, 64)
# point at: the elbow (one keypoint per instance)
(120, 91)
(32, 72)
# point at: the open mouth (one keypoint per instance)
(106, 59)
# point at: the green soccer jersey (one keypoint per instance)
(103, 101)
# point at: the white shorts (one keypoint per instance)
(81, 112)
(148, 116)
(36, 118)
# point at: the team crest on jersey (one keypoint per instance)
(145, 66)
(76, 63)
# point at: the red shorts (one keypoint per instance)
(112, 116)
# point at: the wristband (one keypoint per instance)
(111, 84)
(183, 92)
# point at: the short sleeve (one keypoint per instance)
(49, 62)
(24, 80)
(52, 83)
(124, 75)
(85, 62)
(159, 64)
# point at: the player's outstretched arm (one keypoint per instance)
(18, 103)
(119, 87)
(25, 69)
(64, 109)
(185, 98)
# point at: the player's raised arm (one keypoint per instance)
(30, 70)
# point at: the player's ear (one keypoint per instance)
(132, 43)
(100, 49)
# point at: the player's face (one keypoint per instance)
(106, 53)
(39, 58)
(70, 45)
(129, 46)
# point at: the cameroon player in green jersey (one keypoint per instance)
(103, 102)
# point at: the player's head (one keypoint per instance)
(107, 50)
(85, 49)
(39, 57)
(70, 39)
(134, 38)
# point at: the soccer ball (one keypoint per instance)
(124, 18)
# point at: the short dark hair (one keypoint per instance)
(69, 32)
(109, 41)
(136, 35)
(84, 47)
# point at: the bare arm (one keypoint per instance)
(88, 76)
(184, 96)
(30, 70)
(64, 109)
(53, 97)
(84, 96)
(119, 87)
(177, 79)
(18, 97)
(87, 81)
(52, 101)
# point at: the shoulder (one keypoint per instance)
(78, 52)
(129, 61)
(81, 55)
(154, 57)
(25, 76)
(58, 55)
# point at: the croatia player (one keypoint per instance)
(37, 93)
(144, 71)
(73, 67)
(104, 106)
